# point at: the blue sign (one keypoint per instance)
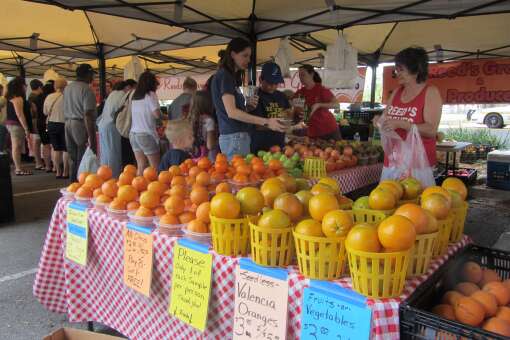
(333, 312)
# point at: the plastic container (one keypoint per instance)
(459, 220)
(236, 186)
(83, 201)
(320, 258)
(205, 238)
(378, 275)
(271, 246)
(174, 230)
(230, 237)
(416, 320)
(67, 195)
(99, 205)
(443, 236)
(314, 168)
(140, 220)
(369, 216)
(422, 254)
(117, 214)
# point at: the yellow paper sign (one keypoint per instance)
(191, 284)
(77, 233)
(138, 258)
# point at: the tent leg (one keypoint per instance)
(373, 85)
(102, 73)
(22, 72)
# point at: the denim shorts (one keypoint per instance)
(235, 144)
(144, 142)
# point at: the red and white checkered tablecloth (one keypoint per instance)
(355, 178)
(97, 292)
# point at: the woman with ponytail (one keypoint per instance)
(319, 99)
(234, 123)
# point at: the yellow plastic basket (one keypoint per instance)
(443, 236)
(459, 219)
(314, 168)
(271, 246)
(378, 275)
(320, 258)
(422, 254)
(370, 216)
(230, 237)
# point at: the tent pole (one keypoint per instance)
(253, 63)
(22, 72)
(373, 84)
(102, 72)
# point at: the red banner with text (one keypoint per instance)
(464, 82)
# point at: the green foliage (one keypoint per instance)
(477, 137)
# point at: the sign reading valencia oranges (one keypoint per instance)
(464, 82)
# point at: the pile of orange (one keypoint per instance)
(481, 300)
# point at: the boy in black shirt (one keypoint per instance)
(271, 104)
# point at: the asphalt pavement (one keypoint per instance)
(21, 315)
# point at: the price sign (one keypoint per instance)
(191, 283)
(77, 233)
(261, 300)
(138, 258)
(332, 312)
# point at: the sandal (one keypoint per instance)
(40, 167)
(23, 173)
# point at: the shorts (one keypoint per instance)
(57, 136)
(144, 142)
(235, 144)
(45, 138)
(16, 131)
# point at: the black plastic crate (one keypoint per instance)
(416, 320)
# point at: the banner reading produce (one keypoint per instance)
(171, 87)
(464, 82)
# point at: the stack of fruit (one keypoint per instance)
(288, 159)
(480, 300)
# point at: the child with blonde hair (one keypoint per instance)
(179, 133)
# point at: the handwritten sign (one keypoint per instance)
(191, 283)
(138, 258)
(77, 233)
(332, 312)
(261, 299)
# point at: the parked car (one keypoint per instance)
(494, 117)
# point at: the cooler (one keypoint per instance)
(498, 169)
(6, 200)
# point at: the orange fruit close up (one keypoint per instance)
(272, 188)
(140, 183)
(178, 180)
(436, 204)
(203, 178)
(199, 195)
(363, 237)
(203, 212)
(110, 188)
(174, 205)
(204, 163)
(82, 177)
(105, 172)
(337, 223)
(223, 187)
(194, 171)
(174, 170)
(319, 205)
(73, 187)
(149, 199)
(133, 205)
(416, 214)
(165, 177)
(127, 193)
(455, 184)
(144, 212)
(125, 178)
(469, 311)
(225, 205)
(168, 219)
(396, 233)
(103, 199)
(150, 174)
(159, 211)
(186, 217)
(84, 192)
(97, 192)
(118, 204)
(157, 187)
(179, 190)
(382, 199)
(130, 169)
(93, 181)
(289, 204)
(197, 226)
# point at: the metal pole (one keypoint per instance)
(22, 71)
(373, 85)
(253, 63)
(102, 72)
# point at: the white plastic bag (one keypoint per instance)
(89, 162)
(406, 158)
(284, 56)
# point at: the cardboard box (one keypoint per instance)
(78, 334)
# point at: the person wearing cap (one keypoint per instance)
(271, 104)
(80, 117)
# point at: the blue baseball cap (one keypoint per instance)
(272, 73)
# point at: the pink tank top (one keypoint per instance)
(412, 112)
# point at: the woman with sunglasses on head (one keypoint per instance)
(413, 102)
(234, 123)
